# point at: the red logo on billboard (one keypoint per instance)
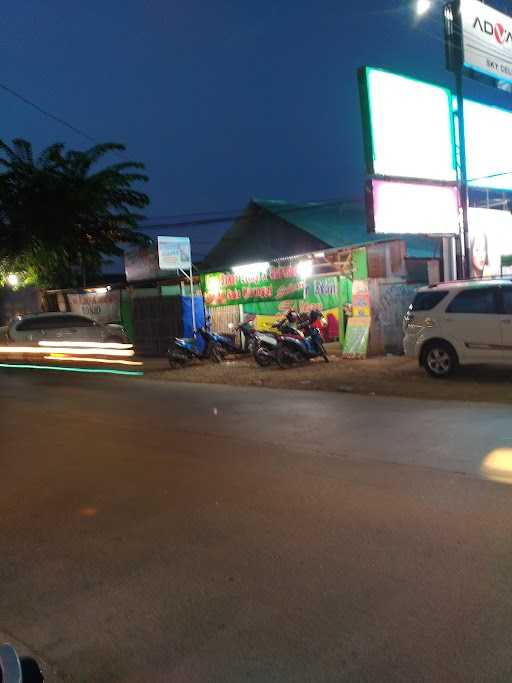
(499, 33)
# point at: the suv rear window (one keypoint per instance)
(475, 300)
(425, 301)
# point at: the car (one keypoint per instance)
(69, 327)
(460, 323)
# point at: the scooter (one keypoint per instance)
(202, 346)
(294, 351)
(266, 343)
(229, 346)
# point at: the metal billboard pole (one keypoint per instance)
(456, 58)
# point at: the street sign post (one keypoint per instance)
(174, 254)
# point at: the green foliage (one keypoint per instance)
(59, 216)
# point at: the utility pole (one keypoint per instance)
(458, 54)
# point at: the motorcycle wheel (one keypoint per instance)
(285, 358)
(263, 358)
(216, 354)
(176, 360)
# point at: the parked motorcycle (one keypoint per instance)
(228, 345)
(292, 350)
(266, 343)
(203, 346)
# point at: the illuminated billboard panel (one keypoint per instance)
(414, 208)
(488, 145)
(410, 127)
(410, 133)
(490, 239)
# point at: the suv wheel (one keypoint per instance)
(439, 359)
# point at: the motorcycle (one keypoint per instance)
(229, 346)
(266, 343)
(292, 350)
(203, 346)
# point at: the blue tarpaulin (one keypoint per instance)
(186, 314)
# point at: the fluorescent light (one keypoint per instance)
(305, 269)
(251, 269)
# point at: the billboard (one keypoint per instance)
(409, 133)
(174, 253)
(488, 145)
(141, 264)
(487, 40)
(490, 240)
(414, 208)
(408, 128)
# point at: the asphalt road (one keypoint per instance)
(188, 533)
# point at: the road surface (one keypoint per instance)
(159, 532)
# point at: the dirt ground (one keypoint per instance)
(384, 376)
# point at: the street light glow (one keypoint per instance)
(12, 280)
(422, 7)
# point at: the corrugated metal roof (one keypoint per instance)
(343, 224)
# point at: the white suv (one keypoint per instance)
(460, 323)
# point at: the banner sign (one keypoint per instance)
(487, 38)
(273, 284)
(356, 338)
(102, 307)
(174, 253)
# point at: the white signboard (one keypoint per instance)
(490, 238)
(487, 36)
(174, 253)
(415, 208)
(104, 307)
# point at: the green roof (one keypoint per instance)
(343, 224)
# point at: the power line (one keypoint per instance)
(58, 119)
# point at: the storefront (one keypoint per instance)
(333, 281)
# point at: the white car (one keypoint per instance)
(68, 327)
(460, 323)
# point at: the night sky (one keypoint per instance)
(222, 100)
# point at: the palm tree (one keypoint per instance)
(61, 214)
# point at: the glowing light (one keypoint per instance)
(12, 280)
(64, 349)
(304, 269)
(213, 285)
(413, 208)
(103, 371)
(319, 254)
(411, 131)
(101, 290)
(497, 465)
(422, 7)
(251, 269)
(109, 361)
(85, 344)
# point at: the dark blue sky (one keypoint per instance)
(222, 100)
